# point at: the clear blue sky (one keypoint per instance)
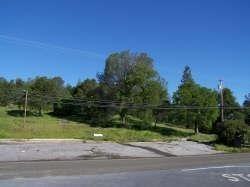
(212, 36)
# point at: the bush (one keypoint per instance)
(248, 137)
(232, 132)
(247, 117)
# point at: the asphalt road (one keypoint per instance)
(208, 170)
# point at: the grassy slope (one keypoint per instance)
(52, 127)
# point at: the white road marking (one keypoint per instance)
(230, 178)
(241, 175)
(236, 177)
(213, 167)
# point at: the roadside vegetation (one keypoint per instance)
(48, 126)
(128, 101)
(230, 149)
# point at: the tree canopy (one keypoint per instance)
(129, 78)
(230, 101)
(247, 111)
(187, 76)
(128, 88)
(192, 95)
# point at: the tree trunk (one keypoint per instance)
(196, 128)
(155, 123)
(40, 111)
(123, 119)
(186, 118)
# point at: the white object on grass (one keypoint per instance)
(98, 135)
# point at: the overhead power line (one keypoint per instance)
(151, 107)
(37, 44)
(34, 96)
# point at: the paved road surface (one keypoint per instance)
(196, 171)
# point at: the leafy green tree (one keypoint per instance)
(208, 116)
(232, 132)
(18, 87)
(161, 113)
(85, 89)
(131, 78)
(230, 101)
(70, 89)
(194, 96)
(147, 86)
(43, 91)
(114, 80)
(187, 76)
(247, 111)
(96, 113)
(3, 91)
(83, 106)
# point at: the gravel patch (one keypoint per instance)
(179, 148)
(30, 150)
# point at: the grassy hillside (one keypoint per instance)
(13, 126)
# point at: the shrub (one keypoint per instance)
(232, 132)
(247, 117)
(248, 137)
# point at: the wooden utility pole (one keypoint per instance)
(25, 105)
(221, 100)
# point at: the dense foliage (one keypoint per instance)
(232, 132)
(247, 111)
(130, 93)
(195, 96)
(42, 91)
(230, 101)
(127, 83)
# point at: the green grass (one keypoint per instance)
(52, 127)
(203, 138)
(228, 149)
(47, 126)
(191, 136)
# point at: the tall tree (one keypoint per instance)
(187, 75)
(3, 91)
(147, 86)
(114, 80)
(19, 86)
(190, 94)
(130, 77)
(230, 101)
(160, 113)
(85, 89)
(247, 111)
(247, 101)
(44, 91)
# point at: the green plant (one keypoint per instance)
(232, 132)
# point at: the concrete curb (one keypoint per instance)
(39, 140)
